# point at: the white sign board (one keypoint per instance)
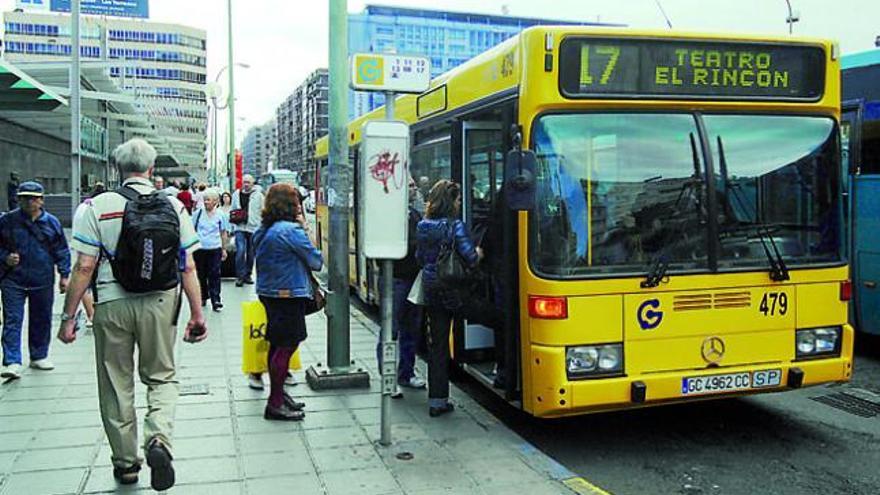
(384, 189)
(397, 73)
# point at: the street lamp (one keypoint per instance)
(793, 17)
(215, 91)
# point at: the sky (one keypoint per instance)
(284, 40)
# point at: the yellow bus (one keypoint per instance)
(685, 240)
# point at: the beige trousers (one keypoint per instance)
(118, 326)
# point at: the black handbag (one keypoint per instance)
(318, 300)
(451, 269)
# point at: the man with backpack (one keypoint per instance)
(32, 243)
(135, 247)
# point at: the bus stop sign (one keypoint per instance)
(396, 73)
(384, 187)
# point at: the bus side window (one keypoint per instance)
(430, 159)
(870, 147)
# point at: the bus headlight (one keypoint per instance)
(587, 360)
(817, 342)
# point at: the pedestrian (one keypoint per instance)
(98, 189)
(199, 196)
(285, 254)
(159, 182)
(136, 310)
(186, 197)
(12, 192)
(407, 320)
(226, 202)
(247, 203)
(441, 231)
(32, 243)
(212, 226)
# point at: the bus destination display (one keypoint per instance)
(604, 68)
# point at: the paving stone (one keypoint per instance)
(86, 436)
(6, 460)
(493, 472)
(343, 458)
(256, 424)
(272, 442)
(363, 482)
(277, 464)
(335, 437)
(101, 480)
(202, 427)
(11, 409)
(328, 419)
(27, 394)
(362, 401)
(77, 404)
(191, 448)
(400, 432)
(65, 420)
(54, 459)
(299, 484)
(10, 442)
(207, 470)
(423, 452)
(202, 411)
(22, 423)
(57, 482)
(446, 475)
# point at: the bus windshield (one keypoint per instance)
(618, 192)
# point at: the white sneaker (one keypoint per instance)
(414, 382)
(11, 371)
(42, 364)
(255, 382)
(290, 380)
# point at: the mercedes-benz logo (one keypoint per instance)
(713, 350)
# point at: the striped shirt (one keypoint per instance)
(99, 224)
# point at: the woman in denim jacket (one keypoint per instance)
(285, 254)
(438, 231)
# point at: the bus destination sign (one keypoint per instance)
(628, 68)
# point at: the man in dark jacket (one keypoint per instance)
(407, 322)
(33, 243)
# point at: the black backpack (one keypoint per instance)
(148, 252)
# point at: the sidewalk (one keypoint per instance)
(51, 441)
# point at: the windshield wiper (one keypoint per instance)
(778, 270)
(660, 262)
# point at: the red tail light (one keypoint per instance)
(548, 308)
(846, 290)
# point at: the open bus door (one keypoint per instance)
(863, 221)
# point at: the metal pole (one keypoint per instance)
(389, 347)
(790, 19)
(75, 109)
(338, 338)
(230, 164)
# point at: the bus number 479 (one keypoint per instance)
(774, 303)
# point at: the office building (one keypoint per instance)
(301, 120)
(259, 149)
(162, 65)
(448, 39)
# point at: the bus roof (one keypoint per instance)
(860, 59)
(483, 70)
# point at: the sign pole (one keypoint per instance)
(340, 374)
(75, 110)
(389, 346)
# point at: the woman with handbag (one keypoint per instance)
(285, 257)
(447, 254)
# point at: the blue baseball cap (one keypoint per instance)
(31, 188)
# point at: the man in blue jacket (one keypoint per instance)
(32, 243)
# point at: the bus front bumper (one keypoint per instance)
(572, 397)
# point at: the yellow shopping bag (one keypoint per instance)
(255, 348)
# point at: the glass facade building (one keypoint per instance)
(163, 65)
(448, 39)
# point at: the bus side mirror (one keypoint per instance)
(520, 186)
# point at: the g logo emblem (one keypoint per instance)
(648, 315)
(370, 70)
(713, 350)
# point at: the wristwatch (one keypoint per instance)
(67, 317)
